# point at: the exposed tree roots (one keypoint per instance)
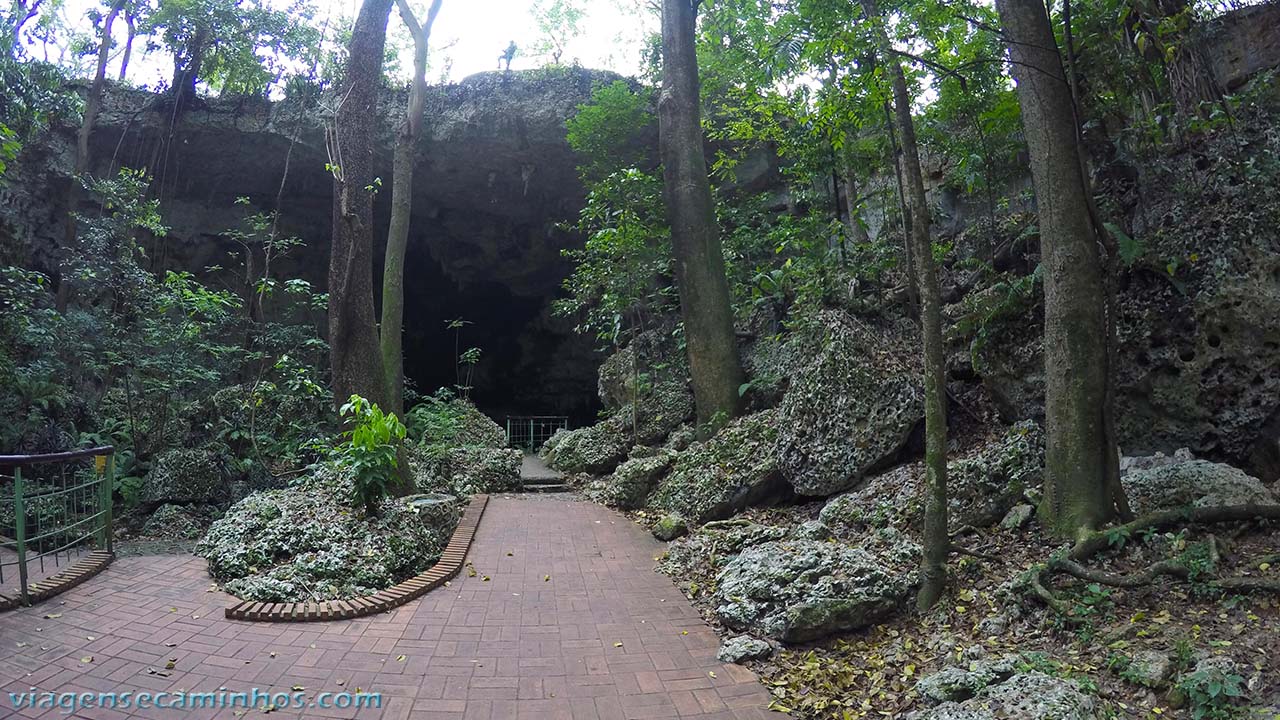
(1073, 563)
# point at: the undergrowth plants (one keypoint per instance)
(368, 451)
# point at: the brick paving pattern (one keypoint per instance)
(604, 637)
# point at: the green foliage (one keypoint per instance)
(622, 273)
(239, 46)
(1213, 692)
(1008, 299)
(558, 24)
(435, 420)
(149, 362)
(369, 451)
(606, 132)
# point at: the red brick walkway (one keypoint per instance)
(604, 637)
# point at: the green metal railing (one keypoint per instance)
(53, 508)
(529, 432)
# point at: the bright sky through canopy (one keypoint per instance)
(468, 37)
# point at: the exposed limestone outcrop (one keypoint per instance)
(850, 409)
(801, 590)
(735, 468)
(981, 487)
(1193, 483)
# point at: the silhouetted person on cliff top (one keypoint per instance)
(507, 55)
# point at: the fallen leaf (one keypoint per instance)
(400, 659)
(53, 616)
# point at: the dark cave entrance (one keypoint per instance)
(531, 363)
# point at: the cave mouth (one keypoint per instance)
(531, 362)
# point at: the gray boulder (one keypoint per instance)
(955, 684)
(981, 487)
(669, 527)
(464, 470)
(630, 484)
(715, 478)
(187, 476)
(434, 510)
(1148, 668)
(595, 449)
(1025, 696)
(177, 522)
(801, 590)
(742, 648)
(1194, 483)
(848, 410)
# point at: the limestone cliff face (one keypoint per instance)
(493, 181)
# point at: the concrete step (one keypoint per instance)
(545, 487)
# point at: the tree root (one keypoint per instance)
(962, 550)
(1073, 563)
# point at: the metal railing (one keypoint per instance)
(52, 508)
(529, 432)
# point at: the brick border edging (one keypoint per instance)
(79, 571)
(445, 569)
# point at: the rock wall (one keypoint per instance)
(494, 179)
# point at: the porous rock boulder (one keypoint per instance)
(850, 409)
(735, 468)
(475, 429)
(801, 590)
(595, 449)
(1027, 696)
(1192, 483)
(465, 470)
(982, 487)
(630, 484)
(651, 374)
(187, 476)
(307, 543)
(175, 522)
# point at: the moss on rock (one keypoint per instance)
(593, 449)
(630, 484)
(464, 470)
(735, 468)
(177, 522)
(849, 409)
(981, 487)
(306, 543)
(186, 476)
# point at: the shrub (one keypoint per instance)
(369, 451)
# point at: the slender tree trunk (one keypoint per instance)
(401, 208)
(92, 105)
(131, 24)
(937, 542)
(857, 232)
(695, 239)
(913, 285)
(1078, 460)
(355, 362)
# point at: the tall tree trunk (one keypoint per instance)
(937, 542)
(92, 105)
(130, 22)
(401, 208)
(913, 285)
(857, 232)
(1078, 460)
(355, 361)
(695, 239)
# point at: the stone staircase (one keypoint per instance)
(536, 477)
